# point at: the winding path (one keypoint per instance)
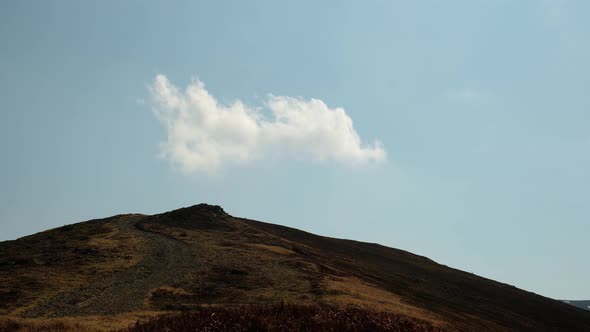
(165, 263)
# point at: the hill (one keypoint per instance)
(580, 304)
(108, 273)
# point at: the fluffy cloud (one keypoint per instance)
(204, 135)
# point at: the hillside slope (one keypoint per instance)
(583, 304)
(187, 258)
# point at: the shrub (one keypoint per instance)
(282, 317)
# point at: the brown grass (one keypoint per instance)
(40, 266)
(274, 249)
(353, 291)
(68, 324)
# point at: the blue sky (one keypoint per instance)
(481, 107)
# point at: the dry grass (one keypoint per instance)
(38, 267)
(273, 249)
(353, 291)
(124, 244)
(70, 324)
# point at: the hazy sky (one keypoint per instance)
(457, 130)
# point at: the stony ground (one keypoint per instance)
(123, 291)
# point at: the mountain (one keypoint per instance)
(580, 304)
(111, 272)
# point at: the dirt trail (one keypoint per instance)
(165, 263)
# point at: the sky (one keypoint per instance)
(457, 130)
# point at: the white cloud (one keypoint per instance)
(204, 135)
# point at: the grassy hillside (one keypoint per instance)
(114, 271)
